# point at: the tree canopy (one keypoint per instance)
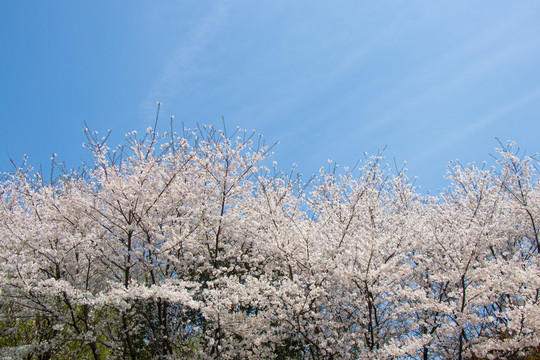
(195, 246)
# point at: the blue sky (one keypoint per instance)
(430, 80)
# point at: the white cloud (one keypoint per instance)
(182, 62)
(481, 123)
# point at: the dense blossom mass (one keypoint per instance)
(195, 247)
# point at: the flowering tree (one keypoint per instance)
(192, 248)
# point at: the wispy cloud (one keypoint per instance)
(454, 71)
(480, 124)
(182, 62)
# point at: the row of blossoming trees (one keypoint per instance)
(192, 248)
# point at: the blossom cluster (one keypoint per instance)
(194, 248)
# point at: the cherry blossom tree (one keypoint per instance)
(193, 246)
